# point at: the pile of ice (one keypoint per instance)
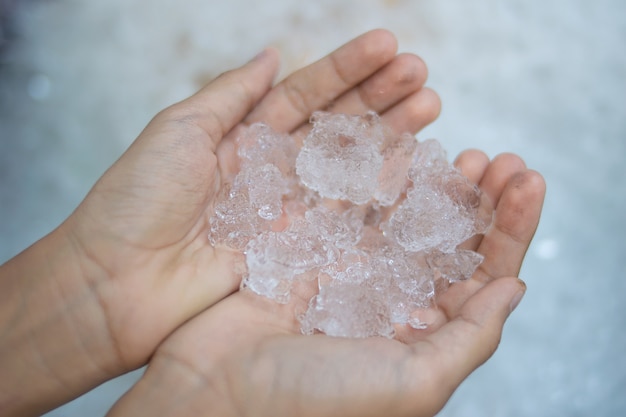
(371, 218)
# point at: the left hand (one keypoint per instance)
(142, 230)
(246, 356)
(96, 297)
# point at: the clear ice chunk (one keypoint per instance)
(341, 157)
(348, 310)
(254, 199)
(374, 217)
(430, 169)
(429, 162)
(342, 229)
(266, 186)
(353, 266)
(442, 208)
(455, 266)
(260, 145)
(397, 156)
(275, 259)
(428, 220)
(235, 221)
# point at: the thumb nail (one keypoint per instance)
(517, 297)
(260, 55)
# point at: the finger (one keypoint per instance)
(403, 76)
(516, 219)
(473, 164)
(409, 115)
(498, 173)
(414, 112)
(505, 243)
(450, 354)
(492, 180)
(224, 102)
(292, 101)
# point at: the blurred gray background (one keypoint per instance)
(547, 80)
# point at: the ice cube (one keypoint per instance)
(341, 157)
(375, 217)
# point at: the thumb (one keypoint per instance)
(226, 101)
(470, 338)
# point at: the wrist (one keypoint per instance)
(175, 387)
(54, 343)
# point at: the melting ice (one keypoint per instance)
(373, 219)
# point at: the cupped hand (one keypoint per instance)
(141, 233)
(246, 357)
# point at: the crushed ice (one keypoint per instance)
(372, 219)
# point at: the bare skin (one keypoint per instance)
(107, 290)
(246, 357)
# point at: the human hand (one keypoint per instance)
(96, 297)
(246, 356)
(143, 227)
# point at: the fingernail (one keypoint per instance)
(517, 297)
(260, 55)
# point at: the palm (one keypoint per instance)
(257, 344)
(143, 227)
